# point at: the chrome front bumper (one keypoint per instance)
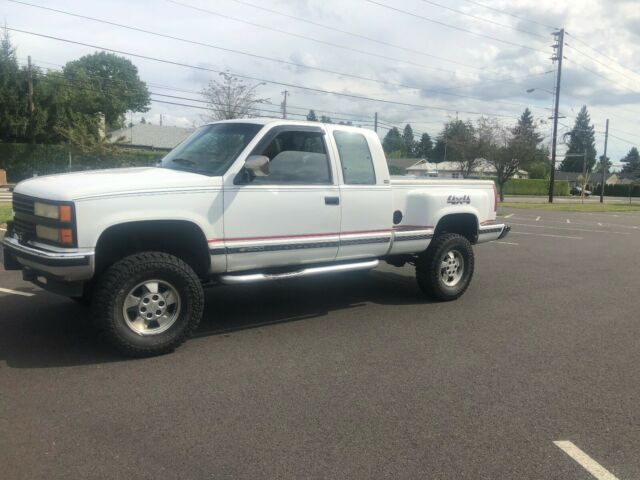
(58, 264)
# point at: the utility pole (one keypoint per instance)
(558, 46)
(584, 175)
(375, 122)
(284, 104)
(30, 86)
(604, 162)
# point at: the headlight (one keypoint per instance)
(56, 212)
(63, 236)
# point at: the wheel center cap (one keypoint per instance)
(152, 306)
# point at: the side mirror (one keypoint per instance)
(257, 165)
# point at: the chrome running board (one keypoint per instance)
(307, 272)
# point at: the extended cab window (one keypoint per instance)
(296, 157)
(355, 157)
(211, 149)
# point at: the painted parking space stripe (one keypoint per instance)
(570, 228)
(510, 215)
(506, 243)
(585, 461)
(15, 292)
(585, 222)
(546, 235)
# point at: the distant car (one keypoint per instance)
(576, 190)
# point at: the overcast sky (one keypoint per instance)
(408, 59)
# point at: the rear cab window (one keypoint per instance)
(355, 158)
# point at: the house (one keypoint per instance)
(621, 179)
(593, 179)
(398, 166)
(424, 168)
(149, 137)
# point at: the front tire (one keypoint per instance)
(148, 303)
(444, 270)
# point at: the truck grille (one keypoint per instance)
(23, 209)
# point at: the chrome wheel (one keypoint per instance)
(151, 307)
(451, 268)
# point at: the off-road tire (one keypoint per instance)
(116, 282)
(428, 267)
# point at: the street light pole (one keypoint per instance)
(604, 162)
(559, 45)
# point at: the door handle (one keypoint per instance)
(332, 200)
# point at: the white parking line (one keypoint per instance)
(15, 292)
(519, 216)
(570, 228)
(588, 463)
(506, 243)
(510, 215)
(546, 235)
(568, 221)
(3, 229)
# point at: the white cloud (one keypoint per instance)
(611, 27)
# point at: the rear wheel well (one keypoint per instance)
(182, 239)
(465, 224)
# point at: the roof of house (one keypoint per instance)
(151, 136)
(483, 167)
(402, 162)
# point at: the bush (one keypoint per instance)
(530, 186)
(619, 190)
(25, 160)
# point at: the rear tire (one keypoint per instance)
(445, 269)
(148, 303)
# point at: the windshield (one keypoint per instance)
(211, 149)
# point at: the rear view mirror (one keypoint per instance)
(257, 165)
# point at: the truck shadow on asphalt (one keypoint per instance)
(47, 331)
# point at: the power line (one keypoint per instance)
(513, 15)
(597, 74)
(335, 45)
(455, 27)
(253, 55)
(601, 54)
(345, 32)
(635, 80)
(70, 82)
(460, 12)
(257, 79)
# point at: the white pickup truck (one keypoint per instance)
(238, 202)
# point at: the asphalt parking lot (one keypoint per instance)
(352, 376)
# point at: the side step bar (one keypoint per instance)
(307, 272)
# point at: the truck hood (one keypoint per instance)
(116, 181)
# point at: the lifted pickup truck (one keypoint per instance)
(238, 202)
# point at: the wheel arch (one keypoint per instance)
(465, 224)
(181, 238)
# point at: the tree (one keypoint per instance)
(607, 165)
(509, 151)
(424, 146)
(325, 119)
(14, 117)
(632, 162)
(457, 143)
(392, 141)
(106, 83)
(311, 116)
(408, 142)
(581, 138)
(231, 98)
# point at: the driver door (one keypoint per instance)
(292, 215)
